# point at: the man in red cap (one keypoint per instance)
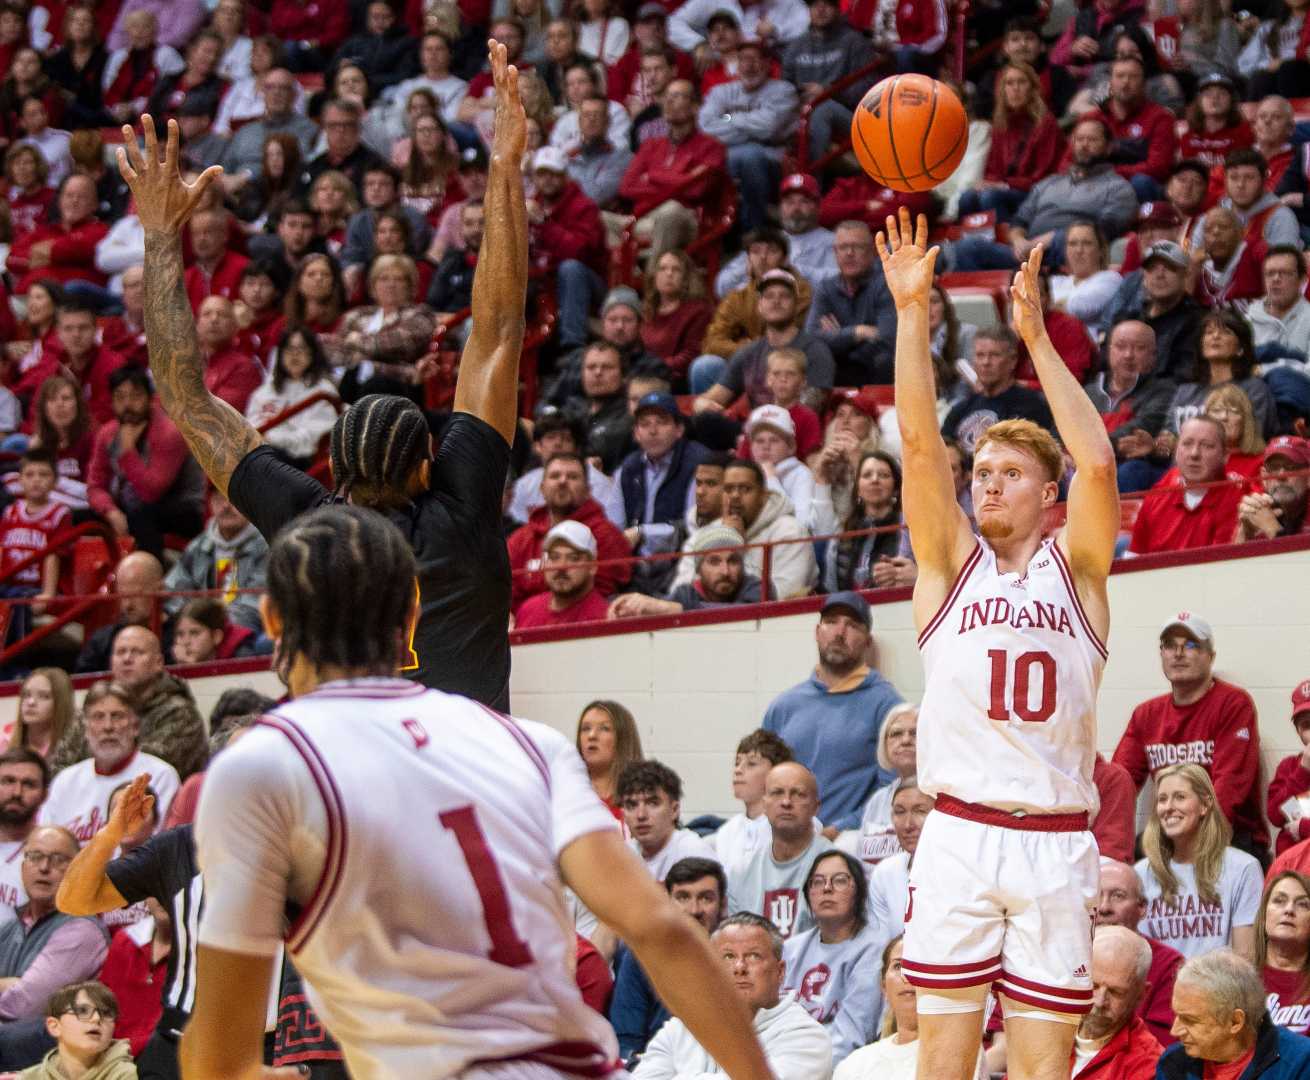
(1279, 510)
(1288, 805)
(810, 250)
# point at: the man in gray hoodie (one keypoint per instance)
(230, 555)
(828, 51)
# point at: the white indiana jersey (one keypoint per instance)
(1012, 666)
(417, 833)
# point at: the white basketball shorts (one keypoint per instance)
(1001, 900)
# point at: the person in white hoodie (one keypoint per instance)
(795, 1044)
(889, 884)
(300, 368)
(833, 968)
(772, 436)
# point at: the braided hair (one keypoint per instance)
(342, 580)
(376, 444)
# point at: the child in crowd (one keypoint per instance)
(785, 378)
(81, 1019)
(27, 526)
(740, 835)
(772, 439)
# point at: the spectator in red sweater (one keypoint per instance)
(66, 251)
(142, 478)
(310, 31)
(230, 374)
(676, 313)
(1179, 513)
(216, 271)
(1121, 903)
(125, 334)
(134, 969)
(87, 360)
(567, 241)
(1114, 827)
(670, 175)
(1226, 267)
(1287, 805)
(1205, 721)
(921, 28)
(568, 567)
(1215, 126)
(862, 198)
(567, 495)
(1068, 334)
(1143, 143)
(26, 190)
(1026, 145)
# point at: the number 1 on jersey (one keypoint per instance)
(507, 947)
(1022, 686)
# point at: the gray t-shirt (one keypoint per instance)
(1190, 924)
(764, 886)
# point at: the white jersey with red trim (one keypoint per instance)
(1012, 667)
(416, 833)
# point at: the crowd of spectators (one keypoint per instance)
(695, 434)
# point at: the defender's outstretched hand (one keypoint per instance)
(1026, 294)
(164, 201)
(907, 263)
(511, 133)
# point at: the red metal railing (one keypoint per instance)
(843, 146)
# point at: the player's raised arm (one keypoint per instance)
(938, 528)
(217, 434)
(488, 385)
(676, 955)
(1088, 536)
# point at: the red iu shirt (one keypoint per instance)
(24, 532)
(535, 611)
(1288, 1000)
(1167, 523)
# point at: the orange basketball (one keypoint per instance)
(910, 132)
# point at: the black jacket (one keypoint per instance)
(387, 59)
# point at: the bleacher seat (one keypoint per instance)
(974, 305)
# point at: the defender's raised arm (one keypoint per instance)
(217, 434)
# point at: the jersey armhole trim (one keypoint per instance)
(325, 889)
(1062, 564)
(953, 595)
(521, 737)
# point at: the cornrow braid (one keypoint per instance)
(342, 580)
(375, 445)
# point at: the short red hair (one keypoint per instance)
(1033, 439)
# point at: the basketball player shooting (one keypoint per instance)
(1012, 630)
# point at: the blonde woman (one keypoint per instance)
(608, 740)
(45, 711)
(1201, 893)
(875, 839)
(1246, 446)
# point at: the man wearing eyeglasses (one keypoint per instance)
(43, 949)
(1203, 720)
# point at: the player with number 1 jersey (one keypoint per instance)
(1012, 629)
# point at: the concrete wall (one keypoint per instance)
(696, 691)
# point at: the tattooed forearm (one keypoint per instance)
(217, 434)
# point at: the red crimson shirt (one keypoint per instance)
(1165, 523)
(1156, 1008)
(25, 532)
(1289, 999)
(525, 551)
(233, 376)
(536, 612)
(688, 172)
(224, 281)
(72, 254)
(1219, 731)
(1291, 779)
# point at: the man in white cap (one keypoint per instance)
(771, 435)
(721, 579)
(1203, 720)
(568, 565)
(567, 239)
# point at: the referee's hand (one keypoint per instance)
(164, 201)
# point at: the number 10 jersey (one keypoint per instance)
(415, 834)
(1012, 666)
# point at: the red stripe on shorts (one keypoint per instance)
(990, 815)
(950, 969)
(1043, 1003)
(1074, 994)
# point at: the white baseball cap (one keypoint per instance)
(551, 158)
(573, 533)
(1194, 625)
(773, 416)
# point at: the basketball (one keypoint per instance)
(910, 132)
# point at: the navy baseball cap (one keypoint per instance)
(658, 399)
(852, 602)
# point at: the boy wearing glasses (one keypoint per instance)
(1203, 720)
(81, 1018)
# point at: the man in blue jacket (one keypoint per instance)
(1223, 1028)
(833, 719)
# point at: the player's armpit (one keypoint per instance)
(224, 1039)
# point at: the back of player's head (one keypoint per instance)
(768, 745)
(341, 579)
(1033, 439)
(647, 778)
(376, 445)
(694, 868)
